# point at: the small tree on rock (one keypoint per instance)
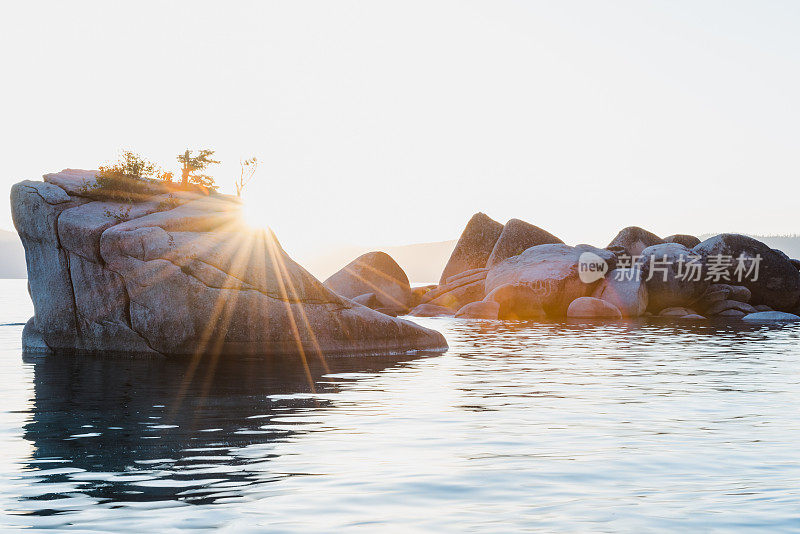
(190, 165)
(246, 175)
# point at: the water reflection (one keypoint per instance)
(619, 426)
(121, 429)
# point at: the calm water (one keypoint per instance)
(518, 427)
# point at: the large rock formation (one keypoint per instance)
(516, 237)
(179, 274)
(377, 273)
(473, 247)
(544, 279)
(773, 280)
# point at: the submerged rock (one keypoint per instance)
(374, 272)
(473, 247)
(144, 278)
(771, 317)
(516, 237)
(592, 307)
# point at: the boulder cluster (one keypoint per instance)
(179, 273)
(520, 271)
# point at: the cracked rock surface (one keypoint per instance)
(153, 277)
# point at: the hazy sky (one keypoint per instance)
(392, 122)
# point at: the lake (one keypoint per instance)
(650, 426)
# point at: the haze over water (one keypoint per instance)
(610, 426)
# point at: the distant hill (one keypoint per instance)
(12, 256)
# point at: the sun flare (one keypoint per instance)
(254, 215)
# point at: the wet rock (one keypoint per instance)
(762, 308)
(479, 310)
(517, 302)
(516, 237)
(778, 282)
(544, 278)
(669, 279)
(633, 240)
(32, 340)
(625, 289)
(731, 314)
(373, 272)
(723, 305)
(431, 310)
(676, 311)
(692, 317)
(771, 317)
(592, 307)
(473, 247)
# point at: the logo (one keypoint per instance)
(591, 267)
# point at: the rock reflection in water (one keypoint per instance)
(121, 429)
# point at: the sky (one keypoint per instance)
(386, 123)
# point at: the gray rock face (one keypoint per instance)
(587, 307)
(473, 247)
(105, 276)
(374, 272)
(516, 237)
(625, 289)
(666, 271)
(633, 240)
(778, 282)
(544, 279)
